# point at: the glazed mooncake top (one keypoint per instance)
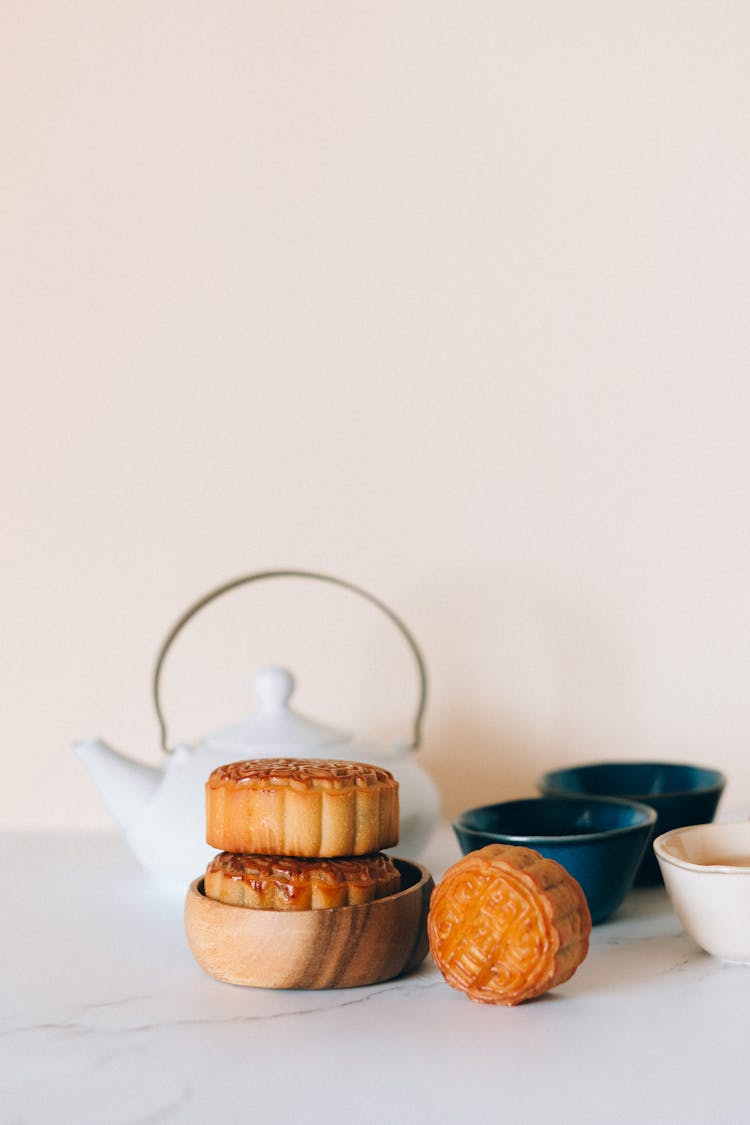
(308, 773)
(294, 870)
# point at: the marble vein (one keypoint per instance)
(76, 1024)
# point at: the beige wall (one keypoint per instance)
(450, 299)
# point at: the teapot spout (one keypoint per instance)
(125, 786)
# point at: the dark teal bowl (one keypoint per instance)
(680, 794)
(600, 842)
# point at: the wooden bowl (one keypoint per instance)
(341, 947)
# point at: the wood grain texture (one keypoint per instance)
(343, 947)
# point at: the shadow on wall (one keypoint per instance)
(523, 679)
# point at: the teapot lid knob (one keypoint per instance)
(273, 687)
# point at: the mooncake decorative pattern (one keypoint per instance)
(506, 925)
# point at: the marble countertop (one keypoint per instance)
(107, 1019)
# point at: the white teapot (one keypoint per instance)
(162, 811)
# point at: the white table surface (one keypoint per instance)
(107, 1019)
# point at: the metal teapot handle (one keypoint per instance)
(263, 574)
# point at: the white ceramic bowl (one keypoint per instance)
(706, 871)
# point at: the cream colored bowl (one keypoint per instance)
(339, 947)
(706, 871)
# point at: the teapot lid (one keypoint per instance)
(275, 730)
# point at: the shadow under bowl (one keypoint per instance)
(600, 842)
(680, 794)
(706, 870)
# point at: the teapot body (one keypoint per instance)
(169, 837)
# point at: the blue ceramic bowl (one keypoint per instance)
(599, 842)
(680, 794)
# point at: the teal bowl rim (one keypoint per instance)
(717, 786)
(648, 814)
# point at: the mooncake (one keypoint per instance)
(301, 807)
(506, 925)
(288, 883)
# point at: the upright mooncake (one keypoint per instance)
(506, 925)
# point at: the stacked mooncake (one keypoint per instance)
(301, 834)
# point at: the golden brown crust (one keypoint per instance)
(289, 883)
(506, 925)
(301, 807)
